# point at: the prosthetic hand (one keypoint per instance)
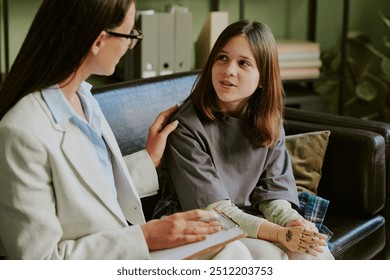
(296, 239)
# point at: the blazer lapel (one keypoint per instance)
(127, 194)
(80, 154)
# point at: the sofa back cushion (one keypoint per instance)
(353, 173)
(307, 152)
(131, 107)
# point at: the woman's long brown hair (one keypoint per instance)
(58, 41)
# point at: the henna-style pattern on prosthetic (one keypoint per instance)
(289, 236)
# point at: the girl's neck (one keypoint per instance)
(236, 112)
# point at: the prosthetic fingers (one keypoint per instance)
(298, 239)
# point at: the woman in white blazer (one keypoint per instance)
(65, 190)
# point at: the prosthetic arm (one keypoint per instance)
(295, 238)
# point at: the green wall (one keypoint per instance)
(287, 18)
(21, 13)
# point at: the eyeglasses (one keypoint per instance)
(135, 36)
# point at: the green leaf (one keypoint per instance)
(385, 18)
(386, 41)
(372, 116)
(327, 87)
(366, 91)
(385, 65)
(335, 64)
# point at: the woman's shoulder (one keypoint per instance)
(27, 113)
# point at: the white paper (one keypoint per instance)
(188, 250)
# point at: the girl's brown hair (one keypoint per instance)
(265, 106)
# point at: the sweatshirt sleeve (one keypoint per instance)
(247, 222)
(279, 211)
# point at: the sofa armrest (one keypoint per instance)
(354, 170)
(340, 121)
(343, 121)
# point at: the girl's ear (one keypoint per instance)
(99, 43)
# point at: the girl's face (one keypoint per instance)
(235, 75)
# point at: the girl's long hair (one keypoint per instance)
(56, 44)
(264, 112)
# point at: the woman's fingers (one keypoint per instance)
(202, 229)
(158, 134)
(197, 215)
(162, 119)
(198, 222)
(180, 228)
(168, 129)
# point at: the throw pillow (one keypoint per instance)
(307, 151)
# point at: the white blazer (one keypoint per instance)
(54, 203)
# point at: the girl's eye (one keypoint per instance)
(222, 57)
(245, 63)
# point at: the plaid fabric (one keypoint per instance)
(313, 208)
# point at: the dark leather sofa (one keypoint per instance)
(361, 126)
(355, 176)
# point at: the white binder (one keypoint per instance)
(183, 42)
(166, 43)
(146, 54)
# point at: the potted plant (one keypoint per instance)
(366, 91)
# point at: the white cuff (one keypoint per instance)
(143, 173)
